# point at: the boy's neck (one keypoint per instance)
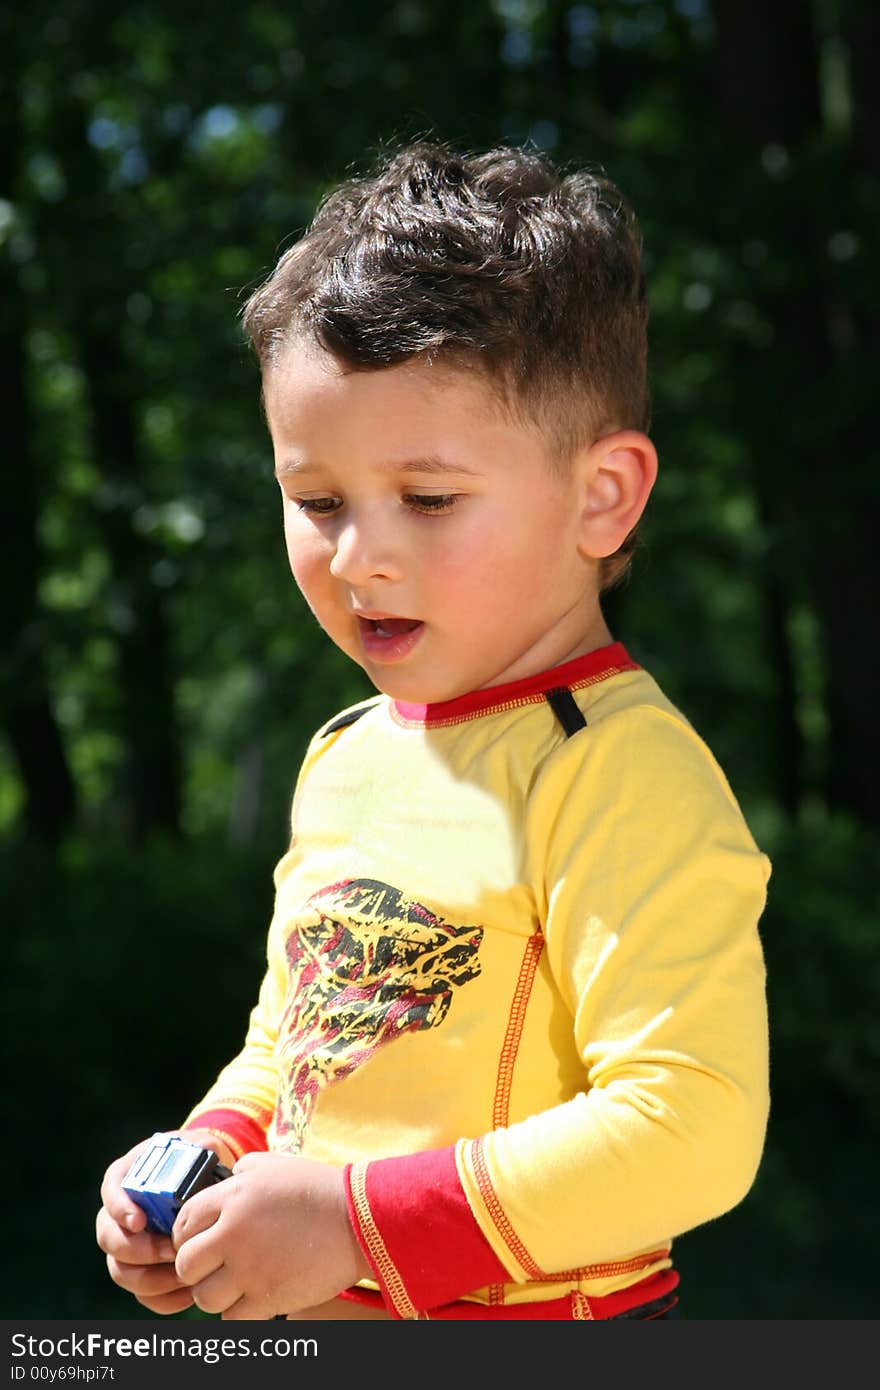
(586, 668)
(593, 638)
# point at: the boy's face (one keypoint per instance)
(431, 535)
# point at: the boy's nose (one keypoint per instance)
(363, 552)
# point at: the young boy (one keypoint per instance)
(511, 1040)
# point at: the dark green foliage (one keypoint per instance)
(159, 674)
(799, 1246)
(129, 981)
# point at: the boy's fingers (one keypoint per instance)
(120, 1206)
(216, 1292)
(252, 1160)
(133, 1248)
(198, 1214)
(129, 1220)
(144, 1281)
(167, 1303)
(210, 1141)
(197, 1260)
(248, 1309)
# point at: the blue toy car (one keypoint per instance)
(166, 1174)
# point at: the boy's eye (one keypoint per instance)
(432, 502)
(421, 502)
(318, 506)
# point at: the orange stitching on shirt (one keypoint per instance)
(515, 1245)
(513, 1035)
(580, 1308)
(385, 1266)
(605, 1271)
(505, 705)
(497, 1212)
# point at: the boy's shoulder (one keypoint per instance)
(326, 736)
(635, 688)
(641, 738)
(350, 715)
(633, 733)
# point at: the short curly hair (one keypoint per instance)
(499, 261)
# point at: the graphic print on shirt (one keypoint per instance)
(367, 964)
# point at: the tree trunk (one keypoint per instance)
(768, 84)
(33, 733)
(861, 34)
(91, 302)
(812, 473)
(145, 668)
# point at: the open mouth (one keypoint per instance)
(389, 639)
(392, 627)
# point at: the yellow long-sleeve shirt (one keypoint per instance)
(514, 979)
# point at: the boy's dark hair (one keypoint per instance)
(499, 261)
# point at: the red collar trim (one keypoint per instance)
(584, 670)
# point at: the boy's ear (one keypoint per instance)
(617, 473)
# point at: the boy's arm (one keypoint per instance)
(650, 888)
(418, 1232)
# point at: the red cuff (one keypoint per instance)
(242, 1133)
(417, 1231)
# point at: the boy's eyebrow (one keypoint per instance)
(429, 463)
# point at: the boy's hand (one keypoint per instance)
(139, 1260)
(273, 1238)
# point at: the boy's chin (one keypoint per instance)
(412, 689)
